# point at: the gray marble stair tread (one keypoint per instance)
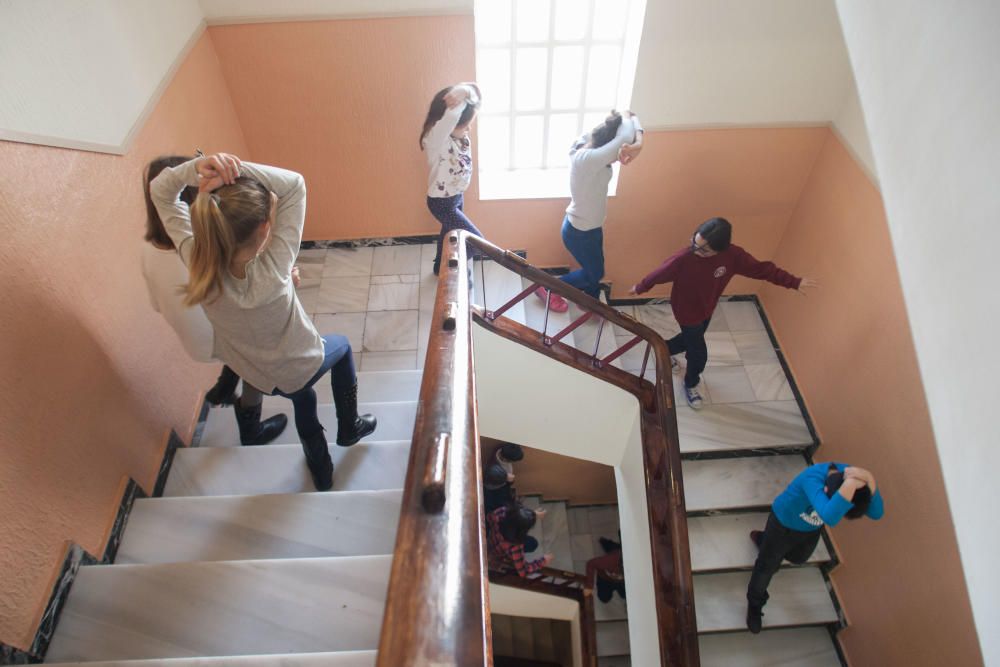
(373, 387)
(523, 634)
(339, 659)
(612, 638)
(503, 635)
(723, 541)
(395, 422)
(555, 534)
(233, 471)
(754, 481)
(119, 612)
(798, 596)
(788, 647)
(545, 648)
(534, 313)
(740, 426)
(614, 609)
(296, 525)
(614, 661)
(500, 285)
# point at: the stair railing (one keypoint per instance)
(437, 605)
(572, 585)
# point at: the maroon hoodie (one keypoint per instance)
(698, 282)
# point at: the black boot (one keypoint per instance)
(225, 388)
(318, 459)
(351, 427)
(253, 431)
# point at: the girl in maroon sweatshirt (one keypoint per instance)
(700, 273)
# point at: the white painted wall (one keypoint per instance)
(849, 124)
(84, 74)
(250, 11)
(927, 77)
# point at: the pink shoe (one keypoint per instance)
(557, 304)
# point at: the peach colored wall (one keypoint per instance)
(343, 103)
(850, 347)
(92, 376)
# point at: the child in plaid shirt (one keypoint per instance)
(506, 530)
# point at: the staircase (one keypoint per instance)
(536, 642)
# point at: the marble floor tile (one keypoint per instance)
(393, 296)
(579, 520)
(310, 263)
(659, 318)
(769, 382)
(348, 262)
(584, 546)
(308, 293)
(423, 335)
(729, 384)
(391, 331)
(614, 609)
(388, 361)
(238, 607)
(722, 350)
(343, 294)
(427, 251)
(171, 530)
(798, 597)
(395, 259)
(733, 426)
(719, 322)
(754, 347)
(405, 278)
(679, 396)
(351, 325)
(555, 535)
(754, 481)
(612, 638)
(604, 521)
(319, 659)
(742, 315)
(722, 542)
(427, 291)
(792, 647)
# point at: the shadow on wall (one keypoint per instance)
(72, 427)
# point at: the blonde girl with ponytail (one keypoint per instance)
(239, 241)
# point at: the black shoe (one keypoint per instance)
(253, 431)
(609, 546)
(223, 393)
(437, 265)
(756, 536)
(318, 459)
(350, 426)
(755, 617)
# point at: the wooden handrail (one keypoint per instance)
(437, 605)
(674, 589)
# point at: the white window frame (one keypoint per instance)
(553, 182)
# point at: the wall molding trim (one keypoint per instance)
(237, 19)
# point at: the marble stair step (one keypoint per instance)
(503, 634)
(339, 659)
(741, 426)
(722, 542)
(500, 285)
(373, 387)
(612, 638)
(788, 647)
(615, 661)
(799, 596)
(234, 471)
(545, 648)
(523, 634)
(118, 612)
(534, 313)
(555, 532)
(585, 336)
(395, 422)
(734, 483)
(294, 525)
(614, 609)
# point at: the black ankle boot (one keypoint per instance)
(351, 427)
(318, 459)
(253, 431)
(225, 388)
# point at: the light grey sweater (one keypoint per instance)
(261, 330)
(590, 174)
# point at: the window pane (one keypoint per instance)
(567, 77)
(493, 77)
(610, 17)
(493, 19)
(532, 65)
(592, 120)
(528, 142)
(532, 20)
(563, 131)
(571, 19)
(602, 77)
(493, 134)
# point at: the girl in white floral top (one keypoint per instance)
(445, 139)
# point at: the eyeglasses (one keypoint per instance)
(700, 249)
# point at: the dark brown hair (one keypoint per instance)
(438, 107)
(519, 520)
(606, 131)
(155, 232)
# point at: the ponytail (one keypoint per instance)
(214, 245)
(222, 221)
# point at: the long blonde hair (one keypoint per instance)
(222, 221)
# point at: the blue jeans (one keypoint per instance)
(338, 357)
(587, 248)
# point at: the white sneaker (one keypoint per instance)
(675, 365)
(693, 397)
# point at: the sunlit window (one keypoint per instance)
(549, 71)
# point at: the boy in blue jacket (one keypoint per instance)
(821, 494)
